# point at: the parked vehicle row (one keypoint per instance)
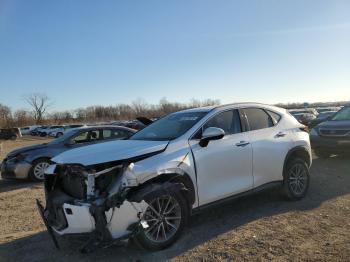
(147, 186)
(313, 116)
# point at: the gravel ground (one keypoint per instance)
(259, 227)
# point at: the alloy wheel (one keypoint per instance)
(163, 217)
(39, 170)
(298, 179)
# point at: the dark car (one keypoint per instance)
(36, 131)
(9, 133)
(31, 162)
(322, 117)
(332, 136)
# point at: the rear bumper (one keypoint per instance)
(19, 170)
(331, 144)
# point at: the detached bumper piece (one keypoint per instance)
(48, 227)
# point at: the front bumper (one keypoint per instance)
(18, 170)
(77, 217)
(331, 144)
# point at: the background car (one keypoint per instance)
(37, 131)
(31, 162)
(323, 116)
(10, 133)
(304, 118)
(28, 129)
(304, 110)
(57, 132)
(49, 129)
(333, 135)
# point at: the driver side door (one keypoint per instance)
(224, 166)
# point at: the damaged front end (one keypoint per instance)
(93, 201)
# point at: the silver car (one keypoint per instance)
(146, 187)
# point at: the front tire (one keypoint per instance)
(37, 172)
(296, 179)
(166, 217)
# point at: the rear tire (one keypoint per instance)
(36, 173)
(296, 179)
(166, 216)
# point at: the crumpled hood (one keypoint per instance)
(25, 149)
(335, 125)
(109, 151)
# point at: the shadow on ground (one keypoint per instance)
(14, 184)
(330, 179)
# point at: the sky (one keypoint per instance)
(82, 53)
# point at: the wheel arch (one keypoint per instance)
(297, 152)
(184, 179)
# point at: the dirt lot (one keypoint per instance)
(259, 227)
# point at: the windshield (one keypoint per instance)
(343, 114)
(169, 127)
(64, 137)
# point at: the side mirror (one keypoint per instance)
(211, 133)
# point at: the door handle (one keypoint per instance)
(242, 143)
(280, 134)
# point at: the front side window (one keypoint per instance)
(343, 114)
(258, 118)
(169, 127)
(88, 136)
(228, 121)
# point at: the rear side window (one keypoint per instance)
(229, 121)
(258, 119)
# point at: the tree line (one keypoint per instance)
(40, 104)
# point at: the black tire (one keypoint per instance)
(294, 188)
(33, 176)
(322, 154)
(59, 134)
(143, 240)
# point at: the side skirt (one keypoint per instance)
(263, 187)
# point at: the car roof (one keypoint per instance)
(104, 127)
(233, 105)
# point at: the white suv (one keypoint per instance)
(147, 187)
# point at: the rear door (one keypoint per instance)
(270, 143)
(224, 167)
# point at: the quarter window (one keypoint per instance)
(275, 117)
(258, 118)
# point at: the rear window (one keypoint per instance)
(258, 119)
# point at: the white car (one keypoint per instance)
(60, 130)
(148, 186)
(27, 129)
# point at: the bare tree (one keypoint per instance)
(5, 116)
(39, 103)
